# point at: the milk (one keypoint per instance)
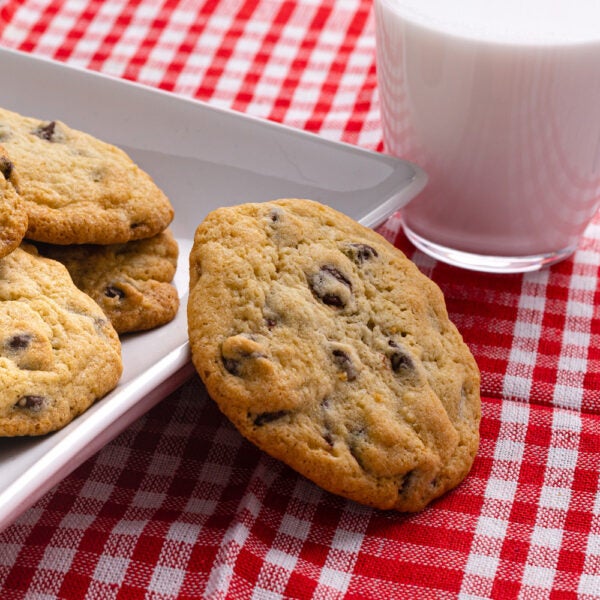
(499, 101)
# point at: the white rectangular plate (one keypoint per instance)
(203, 158)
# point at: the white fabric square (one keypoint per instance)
(347, 541)
(515, 412)
(220, 22)
(96, 490)
(509, 450)
(530, 302)
(516, 387)
(260, 593)
(527, 329)
(126, 527)
(555, 497)
(491, 527)
(247, 45)
(145, 499)
(566, 420)
(281, 559)
(538, 577)
(77, 521)
(562, 458)
(57, 559)
(523, 357)
(183, 532)
(568, 396)
(331, 37)
(163, 464)
(573, 364)
(296, 528)
(63, 22)
(151, 74)
(588, 586)
(209, 39)
(500, 489)
(588, 257)
(580, 309)
(593, 545)
(335, 579)
(201, 506)
(583, 282)
(166, 580)
(9, 554)
(146, 11)
(111, 569)
(485, 566)
(580, 340)
(547, 537)
(260, 26)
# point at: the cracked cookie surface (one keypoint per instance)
(58, 351)
(77, 189)
(13, 218)
(327, 348)
(131, 282)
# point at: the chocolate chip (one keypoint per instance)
(33, 403)
(46, 131)
(359, 253)
(97, 175)
(407, 481)
(337, 274)
(399, 359)
(231, 365)
(354, 442)
(328, 433)
(6, 167)
(332, 300)
(268, 417)
(112, 291)
(100, 326)
(344, 361)
(325, 285)
(239, 351)
(19, 341)
(275, 214)
(271, 317)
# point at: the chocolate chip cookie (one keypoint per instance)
(13, 218)
(58, 352)
(327, 348)
(77, 189)
(130, 282)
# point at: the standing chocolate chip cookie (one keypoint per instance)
(58, 352)
(327, 348)
(77, 189)
(130, 282)
(13, 218)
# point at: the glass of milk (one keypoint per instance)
(499, 102)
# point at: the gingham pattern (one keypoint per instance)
(180, 506)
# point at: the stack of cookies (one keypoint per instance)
(327, 348)
(67, 197)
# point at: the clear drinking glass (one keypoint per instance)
(499, 102)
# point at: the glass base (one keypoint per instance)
(483, 262)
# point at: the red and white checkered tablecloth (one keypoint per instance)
(180, 506)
